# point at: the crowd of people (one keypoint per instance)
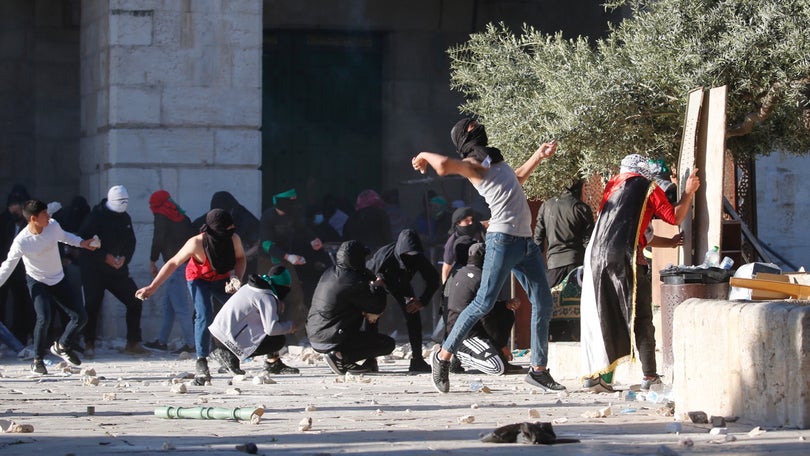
(240, 286)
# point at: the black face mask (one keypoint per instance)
(281, 291)
(467, 230)
(287, 205)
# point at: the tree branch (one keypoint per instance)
(757, 117)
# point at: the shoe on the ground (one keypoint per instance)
(513, 368)
(648, 382)
(418, 365)
(156, 345)
(65, 353)
(455, 366)
(184, 349)
(597, 385)
(202, 375)
(38, 366)
(135, 348)
(371, 365)
(440, 372)
(228, 360)
(279, 368)
(339, 367)
(543, 380)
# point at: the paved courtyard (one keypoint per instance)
(393, 413)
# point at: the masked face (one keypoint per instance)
(119, 205)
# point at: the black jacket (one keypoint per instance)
(116, 234)
(169, 236)
(342, 295)
(398, 268)
(565, 223)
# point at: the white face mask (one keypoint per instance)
(119, 206)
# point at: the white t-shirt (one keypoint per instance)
(39, 252)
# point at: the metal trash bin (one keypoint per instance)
(680, 284)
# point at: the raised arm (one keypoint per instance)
(543, 152)
(445, 166)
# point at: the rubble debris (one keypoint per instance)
(686, 442)
(305, 424)
(533, 413)
(12, 427)
(90, 381)
(756, 431)
(466, 419)
(698, 417)
(718, 431)
(109, 396)
(179, 388)
(168, 446)
(717, 421)
(309, 408)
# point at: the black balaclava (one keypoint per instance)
(468, 230)
(461, 247)
(217, 240)
(352, 255)
(224, 200)
(473, 143)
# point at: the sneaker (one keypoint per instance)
(440, 370)
(65, 353)
(184, 349)
(38, 367)
(418, 365)
(371, 365)
(648, 382)
(513, 368)
(202, 374)
(335, 363)
(543, 380)
(279, 368)
(156, 345)
(455, 366)
(228, 360)
(135, 348)
(597, 385)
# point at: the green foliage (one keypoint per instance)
(626, 93)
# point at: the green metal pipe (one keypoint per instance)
(208, 413)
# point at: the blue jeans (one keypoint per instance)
(521, 256)
(208, 298)
(9, 339)
(177, 304)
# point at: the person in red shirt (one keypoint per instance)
(616, 306)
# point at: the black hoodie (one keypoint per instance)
(397, 267)
(116, 234)
(342, 295)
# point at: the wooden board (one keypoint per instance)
(687, 160)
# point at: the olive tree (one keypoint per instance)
(626, 93)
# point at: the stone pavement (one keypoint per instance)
(389, 413)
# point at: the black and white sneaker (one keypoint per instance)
(65, 353)
(228, 360)
(543, 380)
(202, 375)
(440, 371)
(38, 367)
(278, 367)
(480, 354)
(341, 367)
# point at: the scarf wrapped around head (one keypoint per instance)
(473, 143)
(286, 201)
(635, 163)
(217, 240)
(368, 198)
(280, 279)
(161, 203)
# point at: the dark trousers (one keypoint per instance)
(44, 296)
(121, 285)
(270, 345)
(643, 325)
(15, 305)
(364, 345)
(555, 276)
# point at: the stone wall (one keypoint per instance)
(171, 99)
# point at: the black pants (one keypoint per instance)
(364, 345)
(643, 325)
(121, 285)
(15, 305)
(44, 296)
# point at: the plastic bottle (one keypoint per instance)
(727, 263)
(712, 258)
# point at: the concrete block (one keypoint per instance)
(246, 68)
(134, 105)
(131, 27)
(238, 147)
(745, 359)
(162, 147)
(243, 29)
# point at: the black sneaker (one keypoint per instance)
(542, 379)
(156, 345)
(371, 365)
(455, 366)
(184, 349)
(65, 353)
(279, 368)
(597, 385)
(418, 365)
(335, 363)
(228, 360)
(38, 367)
(513, 368)
(440, 370)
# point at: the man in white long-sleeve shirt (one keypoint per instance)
(38, 246)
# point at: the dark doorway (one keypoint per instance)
(321, 126)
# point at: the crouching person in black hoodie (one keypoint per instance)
(248, 324)
(347, 296)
